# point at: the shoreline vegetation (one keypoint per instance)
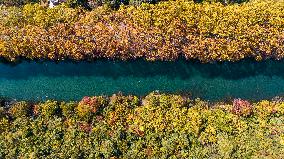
(164, 31)
(156, 126)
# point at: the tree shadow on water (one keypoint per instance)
(144, 69)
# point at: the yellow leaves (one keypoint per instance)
(239, 125)
(2, 47)
(4, 124)
(45, 17)
(164, 31)
(282, 139)
(208, 136)
(258, 58)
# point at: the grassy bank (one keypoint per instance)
(157, 126)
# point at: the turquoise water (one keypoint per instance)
(72, 81)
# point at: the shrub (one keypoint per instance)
(68, 109)
(164, 31)
(2, 112)
(161, 126)
(119, 107)
(48, 108)
(85, 111)
(17, 2)
(88, 106)
(225, 2)
(114, 4)
(77, 3)
(4, 126)
(242, 107)
(20, 109)
(37, 15)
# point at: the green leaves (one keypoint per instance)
(157, 126)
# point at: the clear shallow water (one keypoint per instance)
(72, 81)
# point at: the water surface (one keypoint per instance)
(72, 81)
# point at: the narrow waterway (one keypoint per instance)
(71, 81)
